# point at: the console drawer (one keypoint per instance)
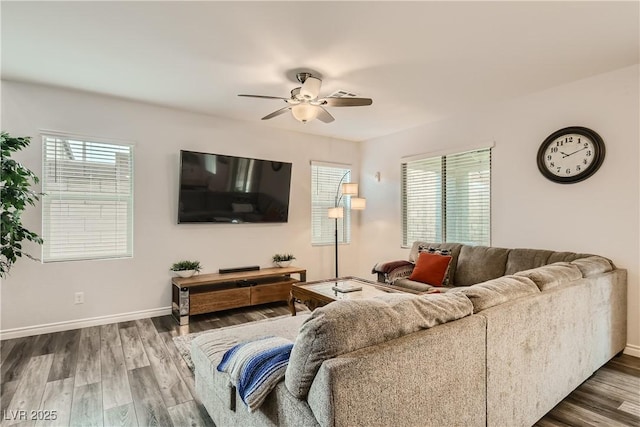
(207, 302)
(272, 292)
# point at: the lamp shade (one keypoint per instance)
(336, 212)
(358, 203)
(311, 88)
(350, 189)
(304, 112)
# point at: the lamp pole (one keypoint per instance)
(357, 203)
(337, 203)
(336, 243)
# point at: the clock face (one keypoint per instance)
(570, 155)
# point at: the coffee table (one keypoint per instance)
(319, 293)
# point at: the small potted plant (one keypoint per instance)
(186, 268)
(283, 260)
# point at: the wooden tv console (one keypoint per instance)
(206, 293)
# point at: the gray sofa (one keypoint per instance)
(516, 333)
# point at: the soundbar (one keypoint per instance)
(239, 269)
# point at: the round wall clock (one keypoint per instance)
(571, 155)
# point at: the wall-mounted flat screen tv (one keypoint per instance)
(226, 189)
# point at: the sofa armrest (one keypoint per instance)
(390, 271)
(437, 369)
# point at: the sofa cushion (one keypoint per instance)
(593, 265)
(553, 275)
(478, 264)
(565, 257)
(347, 325)
(526, 259)
(497, 291)
(410, 285)
(454, 249)
(431, 269)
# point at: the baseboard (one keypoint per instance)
(632, 350)
(82, 323)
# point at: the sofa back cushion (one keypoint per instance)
(526, 259)
(565, 257)
(454, 249)
(593, 265)
(348, 325)
(497, 291)
(552, 275)
(477, 264)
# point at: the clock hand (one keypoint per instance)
(571, 154)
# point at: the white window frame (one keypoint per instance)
(440, 210)
(323, 227)
(86, 189)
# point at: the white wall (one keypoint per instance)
(599, 215)
(37, 294)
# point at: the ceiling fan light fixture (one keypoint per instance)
(304, 112)
(311, 88)
(305, 104)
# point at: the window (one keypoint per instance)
(87, 209)
(325, 181)
(447, 198)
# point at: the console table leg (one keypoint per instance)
(292, 304)
(180, 305)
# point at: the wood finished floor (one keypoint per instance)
(130, 374)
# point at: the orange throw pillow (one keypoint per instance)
(431, 269)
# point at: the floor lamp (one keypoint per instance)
(345, 189)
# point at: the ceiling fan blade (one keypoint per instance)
(324, 116)
(347, 102)
(276, 113)
(264, 97)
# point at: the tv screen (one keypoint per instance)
(227, 189)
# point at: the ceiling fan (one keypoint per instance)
(305, 104)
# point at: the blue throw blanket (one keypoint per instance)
(255, 367)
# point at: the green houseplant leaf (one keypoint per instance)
(186, 265)
(15, 195)
(283, 257)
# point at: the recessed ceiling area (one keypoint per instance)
(419, 61)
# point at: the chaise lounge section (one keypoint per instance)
(501, 351)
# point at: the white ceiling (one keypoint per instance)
(419, 61)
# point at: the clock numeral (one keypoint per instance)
(569, 139)
(584, 161)
(552, 165)
(568, 171)
(586, 144)
(559, 143)
(549, 157)
(578, 168)
(588, 153)
(554, 149)
(559, 169)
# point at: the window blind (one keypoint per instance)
(447, 198)
(87, 209)
(325, 180)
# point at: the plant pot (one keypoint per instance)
(283, 263)
(185, 273)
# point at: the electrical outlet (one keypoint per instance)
(78, 298)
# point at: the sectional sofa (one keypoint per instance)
(517, 331)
